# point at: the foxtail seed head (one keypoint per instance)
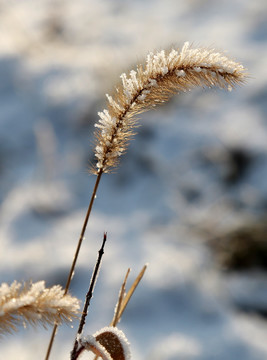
(164, 74)
(33, 304)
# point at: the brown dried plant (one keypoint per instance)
(165, 73)
(34, 304)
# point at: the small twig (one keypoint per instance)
(75, 352)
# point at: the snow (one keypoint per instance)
(91, 344)
(57, 62)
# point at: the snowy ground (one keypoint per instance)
(173, 189)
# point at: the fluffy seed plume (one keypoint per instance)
(164, 74)
(34, 304)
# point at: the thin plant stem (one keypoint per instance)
(71, 272)
(88, 298)
(83, 232)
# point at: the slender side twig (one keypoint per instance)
(74, 353)
(71, 272)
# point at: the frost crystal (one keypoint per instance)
(180, 73)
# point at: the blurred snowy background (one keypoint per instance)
(189, 197)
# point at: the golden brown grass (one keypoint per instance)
(164, 74)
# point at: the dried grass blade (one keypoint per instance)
(131, 291)
(122, 295)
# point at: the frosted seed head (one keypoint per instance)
(34, 304)
(163, 75)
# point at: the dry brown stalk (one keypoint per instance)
(74, 261)
(34, 304)
(164, 74)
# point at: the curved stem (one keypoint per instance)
(71, 272)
